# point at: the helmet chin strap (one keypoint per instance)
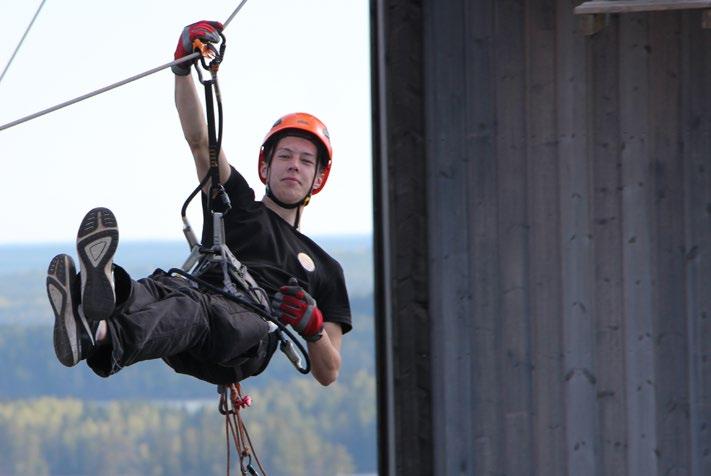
(290, 206)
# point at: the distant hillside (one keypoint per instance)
(26, 320)
(30, 369)
(23, 270)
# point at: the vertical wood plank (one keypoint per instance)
(637, 225)
(406, 333)
(605, 146)
(696, 127)
(515, 359)
(672, 382)
(382, 244)
(447, 203)
(480, 106)
(576, 251)
(544, 244)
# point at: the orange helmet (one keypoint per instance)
(299, 123)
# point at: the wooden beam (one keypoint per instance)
(632, 6)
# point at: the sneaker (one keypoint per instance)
(73, 335)
(97, 240)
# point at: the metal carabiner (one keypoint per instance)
(249, 468)
(223, 406)
(209, 51)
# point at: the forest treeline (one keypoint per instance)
(298, 429)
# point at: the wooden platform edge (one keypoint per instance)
(634, 6)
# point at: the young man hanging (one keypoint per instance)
(110, 320)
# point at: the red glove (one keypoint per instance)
(292, 305)
(206, 31)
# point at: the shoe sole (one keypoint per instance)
(97, 240)
(63, 295)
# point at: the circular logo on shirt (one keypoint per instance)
(306, 262)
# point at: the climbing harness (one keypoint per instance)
(238, 284)
(185, 59)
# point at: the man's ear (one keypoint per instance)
(319, 180)
(263, 170)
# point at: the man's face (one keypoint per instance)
(293, 166)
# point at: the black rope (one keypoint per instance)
(214, 170)
(214, 128)
(184, 209)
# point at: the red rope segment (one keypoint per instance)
(235, 427)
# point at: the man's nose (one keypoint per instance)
(293, 164)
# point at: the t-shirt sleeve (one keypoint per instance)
(333, 299)
(240, 193)
(241, 198)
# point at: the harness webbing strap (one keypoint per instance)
(213, 144)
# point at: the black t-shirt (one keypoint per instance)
(274, 251)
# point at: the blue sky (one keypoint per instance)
(124, 149)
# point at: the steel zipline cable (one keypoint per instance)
(185, 59)
(7, 66)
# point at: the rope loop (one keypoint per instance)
(234, 427)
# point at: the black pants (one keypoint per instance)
(194, 332)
